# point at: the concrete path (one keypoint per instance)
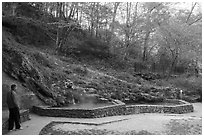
(153, 123)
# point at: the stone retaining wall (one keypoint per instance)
(182, 107)
(24, 116)
(120, 109)
(79, 113)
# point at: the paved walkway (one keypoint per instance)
(153, 122)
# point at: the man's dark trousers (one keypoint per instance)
(14, 117)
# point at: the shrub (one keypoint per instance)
(81, 44)
(41, 59)
(140, 66)
(179, 69)
(95, 47)
(80, 70)
(27, 31)
(193, 85)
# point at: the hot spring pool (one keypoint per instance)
(87, 106)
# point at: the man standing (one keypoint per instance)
(14, 115)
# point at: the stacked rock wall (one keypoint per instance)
(113, 110)
(80, 113)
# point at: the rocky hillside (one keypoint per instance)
(28, 59)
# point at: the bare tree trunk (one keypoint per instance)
(60, 10)
(57, 40)
(174, 54)
(57, 10)
(116, 4)
(66, 10)
(133, 24)
(144, 56)
(77, 11)
(14, 6)
(97, 18)
(148, 31)
(107, 39)
(71, 13)
(63, 9)
(172, 66)
(127, 30)
(80, 18)
(92, 19)
(50, 9)
(59, 7)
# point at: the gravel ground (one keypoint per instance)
(134, 126)
(138, 124)
(184, 127)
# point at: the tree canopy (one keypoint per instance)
(162, 33)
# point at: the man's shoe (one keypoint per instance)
(19, 128)
(10, 130)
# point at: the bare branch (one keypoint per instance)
(152, 48)
(155, 7)
(51, 37)
(195, 21)
(191, 12)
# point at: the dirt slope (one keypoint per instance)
(28, 58)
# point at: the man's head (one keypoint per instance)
(13, 87)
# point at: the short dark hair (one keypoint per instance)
(13, 86)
